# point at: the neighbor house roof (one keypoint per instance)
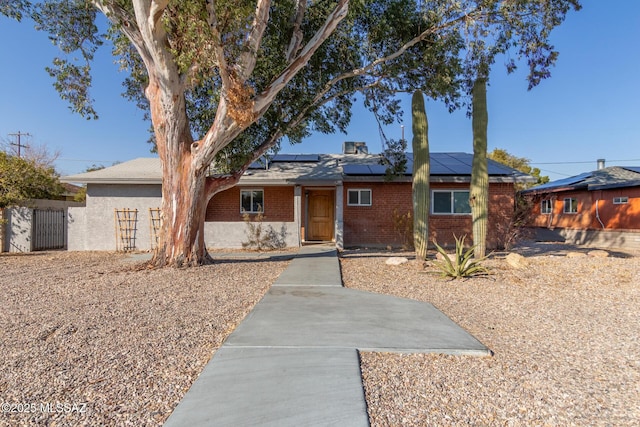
(602, 179)
(143, 170)
(308, 169)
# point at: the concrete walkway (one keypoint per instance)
(293, 361)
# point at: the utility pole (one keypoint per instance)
(18, 144)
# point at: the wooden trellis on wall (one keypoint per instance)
(126, 228)
(154, 223)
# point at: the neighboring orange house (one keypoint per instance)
(590, 207)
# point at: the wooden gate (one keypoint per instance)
(48, 229)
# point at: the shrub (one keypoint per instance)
(511, 228)
(403, 227)
(463, 265)
(262, 238)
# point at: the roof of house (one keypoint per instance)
(602, 179)
(143, 170)
(309, 169)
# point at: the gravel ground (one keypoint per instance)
(89, 339)
(565, 333)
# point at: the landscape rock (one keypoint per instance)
(517, 261)
(598, 253)
(576, 255)
(397, 260)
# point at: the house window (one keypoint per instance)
(450, 202)
(251, 201)
(546, 207)
(620, 200)
(359, 197)
(570, 205)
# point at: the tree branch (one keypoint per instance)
(219, 50)
(247, 61)
(264, 100)
(296, 36)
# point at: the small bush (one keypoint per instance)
(511, 228)
(403, 227)
(262, 238)
(464, 265)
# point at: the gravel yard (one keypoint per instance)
(565, 332)
(88, 339)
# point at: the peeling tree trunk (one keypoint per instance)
(479, 190)
(184, 185)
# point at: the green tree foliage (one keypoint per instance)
(225, 82)
(520, 163)
(479, 188)
(394, 157)
(14, 9)
(421, 175)
(21, 179)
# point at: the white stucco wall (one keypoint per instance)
(94, 227)
(219, 235)
(18, 232)
(18, 229)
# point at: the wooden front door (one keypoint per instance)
(320, 215)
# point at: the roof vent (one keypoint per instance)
(601, 164)
(353, 147)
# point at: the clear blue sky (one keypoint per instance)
(589, 109)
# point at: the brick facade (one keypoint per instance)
(374, 225)
(278, 204)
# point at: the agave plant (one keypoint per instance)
(463, 265)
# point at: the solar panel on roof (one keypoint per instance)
(307, 158)
(296, 158)
(377, 169)
(356, 169)
(283, 158)
(256, 165)
(496, 168)
(563, 182)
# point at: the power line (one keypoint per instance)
(581, 162)
(18, 144)
(86, 160)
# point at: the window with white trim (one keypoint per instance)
(452, 202)
(359, 197)
(251, 201)
(620, 200)
(546, 206)
(570, 205)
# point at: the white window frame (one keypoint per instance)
(622, 200)
(359, 191)
(451, 212)
(571, 201)
(251, 191)
(546, 207)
